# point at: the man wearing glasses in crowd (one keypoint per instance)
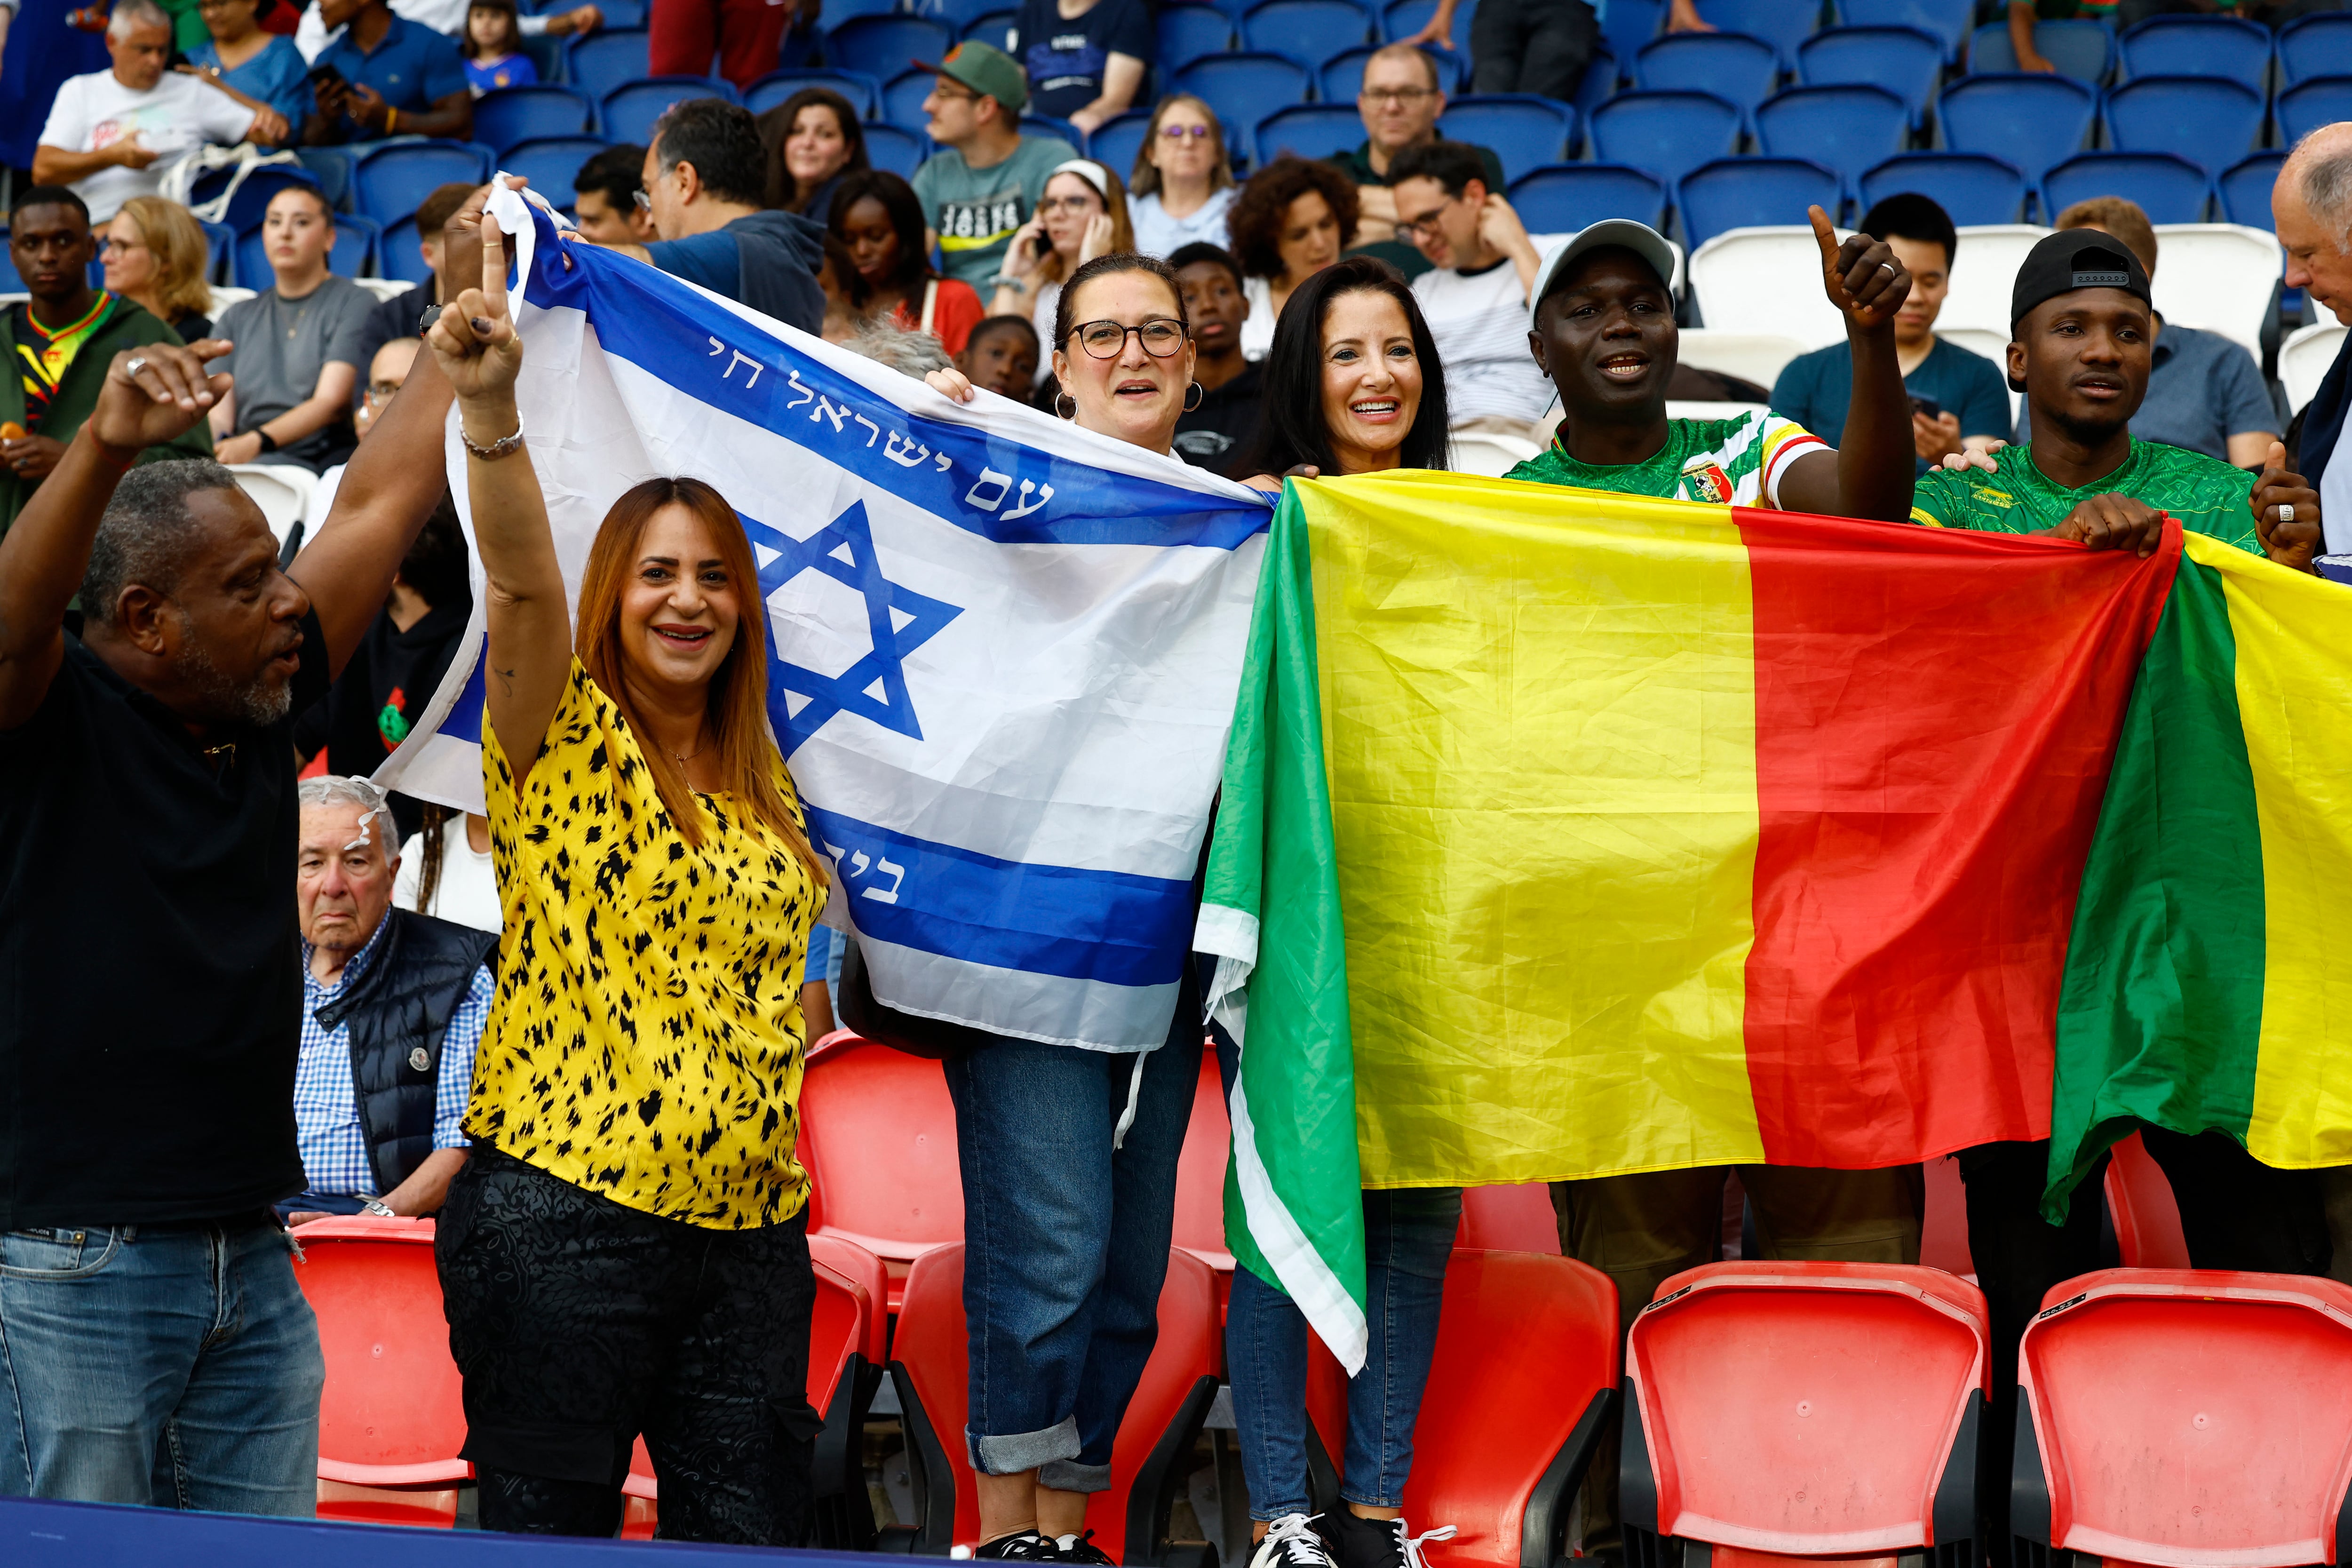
(1399, 99)
(985, 180)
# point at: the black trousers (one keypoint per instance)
(579, 1324)
(1532, 46)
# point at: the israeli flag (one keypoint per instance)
(1003, 651)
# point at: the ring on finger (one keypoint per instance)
(1888, 267)
(2285, 512)
(138, 362)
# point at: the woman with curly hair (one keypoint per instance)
(1292, 220)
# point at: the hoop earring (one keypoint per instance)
(1058, 398)
(1195, 392)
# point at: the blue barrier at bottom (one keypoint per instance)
(88, 1535)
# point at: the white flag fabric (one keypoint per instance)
(1003, 651)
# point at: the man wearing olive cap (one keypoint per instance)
(2082, 335)
(983, 183)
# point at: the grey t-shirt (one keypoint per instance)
(975, 211)
(281, 346)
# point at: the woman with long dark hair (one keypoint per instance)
(879, 216)
(813, 140)
(627, 1252)
(1352, 383)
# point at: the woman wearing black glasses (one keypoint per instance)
(1182, 182)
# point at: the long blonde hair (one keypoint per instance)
(748, 762)
(173, 238)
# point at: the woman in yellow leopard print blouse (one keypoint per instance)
(627, 1251)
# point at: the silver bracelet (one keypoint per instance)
(381, 1209)
(504, 447)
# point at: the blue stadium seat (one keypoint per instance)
(1240, 87)
(2023, 117)
(354, 253)
(1560, 198)
(607, 58)
(1784, 24)
(1310, 130)
(1743, 192)
(1971, 187)
(2315, 46)
(888, 147)
(837, 12)
(397, 255)
(393, 180)
(1733, 65)
(516, 115)
(2168, 189)
(865, 94)
(1949, 20)
(2197, 45)
(1343, 73)
(958, 15)
(1188, 31)
(252, 196)
(902, 99)
(2210, 121)
(1119, 141)
(1051, 125)
(628, 112)
(991, 27)
(552, 164)
(1600, 83)
(220, 254)
(1665, 133)
(2079, 47)
(1630, 24)
(1906, 61)
(1404, 18)
(1526, 131)
(2315, 101)
(2246, 188)
(1847, 129)
(1309, 31)
(882, 47)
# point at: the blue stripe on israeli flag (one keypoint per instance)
(1003, 651)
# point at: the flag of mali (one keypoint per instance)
(1565, 834)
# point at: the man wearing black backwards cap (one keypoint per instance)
(2081, 339)
(1602, 326)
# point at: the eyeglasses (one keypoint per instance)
(381, 391)
(947, 94)
(1160, 336)
(1049, 205)
(1177, 133)
(1397, 95)
(106, 242)
(1407, 227)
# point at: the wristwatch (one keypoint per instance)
(381, 1209)
(425, 323)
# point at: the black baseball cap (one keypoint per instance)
(2075, 258)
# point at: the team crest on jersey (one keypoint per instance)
(1708, 482)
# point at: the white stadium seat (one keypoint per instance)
(1984, 277)
(281, 490)
(2218, 277)
(1748, 279)
(2303, 360)
(1758, 357)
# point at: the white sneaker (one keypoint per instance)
(1291, 1542)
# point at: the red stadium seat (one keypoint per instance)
(1516, 1218)
(1519, 1396)
(2148, 1219)
(2192, 1418)
(861, 1268)
(1944, 1228)
(878, 1139)
(1151, 1459)
(1804, 1410)
(1201, 1171)
(390, 1420)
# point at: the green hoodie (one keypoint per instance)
(129, 327)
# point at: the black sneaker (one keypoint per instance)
(1082, 1549)
(1382, 1542)
(1292, 1541)
(1022, 1546)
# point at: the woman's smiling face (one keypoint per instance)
(1371, 380)
(1132, 395)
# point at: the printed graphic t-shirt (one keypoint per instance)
(1066, 55)
(1733, 462)
(176, 115)
(2203, 494)
(974, 211)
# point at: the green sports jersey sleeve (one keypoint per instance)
(1933, 499)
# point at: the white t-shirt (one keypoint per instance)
(1257, 328)
(1479, 322)
(1157, 234)
(174, 117)
(468, 889)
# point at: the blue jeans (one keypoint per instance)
(178, 1368)
(1066, 1242)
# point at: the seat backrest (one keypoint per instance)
(628, 112)
(2195, 1418)
(1739, 193)
(1526, 132)
(392, 1412)
(1667, 134)
(606, 59)
(1766, 273)
(2209, 122)
(1757, 357)
(2147, 1215)
(2304, 358)
(1201, 1171)
(902, 98)
(1309, 31)
(1514, 1218)
(1948, 19)
(894, 148)
(393, 181)
(1310, 130)
(864, 93)
(1188, 31)
(1342, 76)
(1404, 18)
(354, 255)
(1785, 22)
(881, 46)
(1970, 186)
(1116, 143)
(2305, 107)
(1844, 129)
(2197, 45)
(1906, 61)
(1984, 274)
(2246, 188)
(878, 1139)
(1240, 86)
(281, 490)
(838, 1322)
(2168, 188)
(552, 164)
(1172, 1400)
(2315, 46)
(1730, 65)
(956, 14)
(991, 27)
(2078, 46)
(397, 255)
(2218, 277)
(1561, 198)
(2027, 120)
(515, 114)
(871, 1275)
(1766, 1413)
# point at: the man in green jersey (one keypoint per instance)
(1602, 326)
(2082, 337)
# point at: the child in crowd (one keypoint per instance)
(493, 48)
(1001, 355)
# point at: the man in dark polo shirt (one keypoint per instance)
(156, 1348)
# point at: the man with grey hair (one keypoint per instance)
(908, 352)
(2311, 208)
(158, 1350)
(112, 135)
(394, 1005)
